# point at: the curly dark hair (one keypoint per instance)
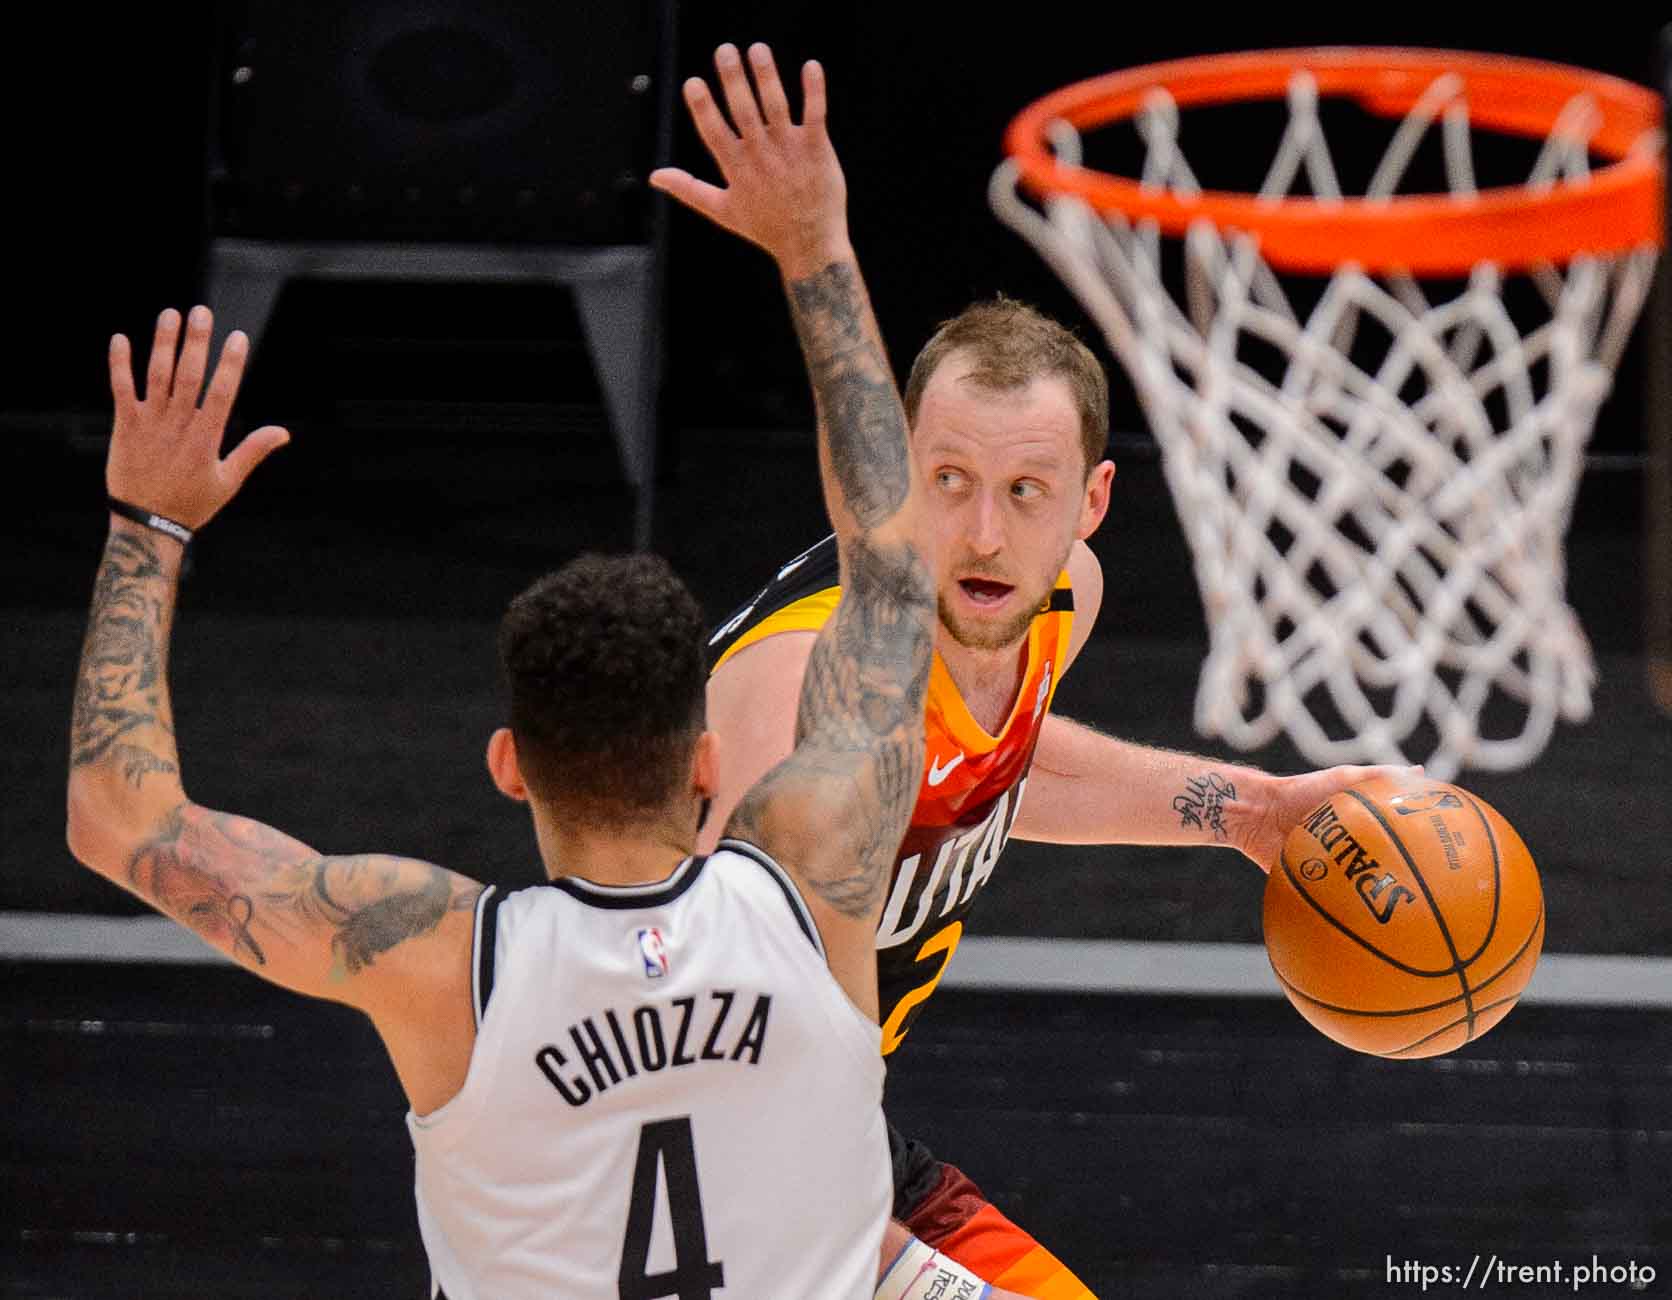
(603, 662)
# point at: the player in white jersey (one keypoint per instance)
(657, 1075)
(665, 1046)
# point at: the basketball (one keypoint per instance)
(1404, 917)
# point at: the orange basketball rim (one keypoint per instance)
(1616, 208)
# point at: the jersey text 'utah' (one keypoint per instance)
(972, 781)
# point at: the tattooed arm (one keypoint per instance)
(1089, 788)
(301, 919)
(834, 811)
(859, 725)
(374, 932)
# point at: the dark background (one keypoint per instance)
(112, 129)
(333, 674)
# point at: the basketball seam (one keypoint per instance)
(1433, 904)
(1497, 878)
(1538, 926)
(1469, 1020)
(1357, 938)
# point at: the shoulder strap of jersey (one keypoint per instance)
(482, 947)
(792, 895)
(816, 569)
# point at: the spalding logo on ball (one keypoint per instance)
(1404, 917)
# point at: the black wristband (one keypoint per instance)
(161, 523)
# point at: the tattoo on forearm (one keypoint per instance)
(858, 759)
(116, 692)
(864, 421)
(860, 725)
(171, 871)
(137, 762)
(243, 886)
(230, 879)
(1202, 805)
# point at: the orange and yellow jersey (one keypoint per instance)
(972, 781)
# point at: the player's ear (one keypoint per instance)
(705, 765)
(502, 765)
(1095, 503)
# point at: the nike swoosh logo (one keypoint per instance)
(937, 773)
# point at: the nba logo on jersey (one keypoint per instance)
(654, 952)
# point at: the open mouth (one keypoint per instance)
(985, 591)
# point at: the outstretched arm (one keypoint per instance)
(1089, 788)
(835, 810)
(327, 926)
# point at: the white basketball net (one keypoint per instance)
(1377, 541)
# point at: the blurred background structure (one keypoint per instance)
(178, 1129)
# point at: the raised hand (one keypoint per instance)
(165, 449)
(784, 187)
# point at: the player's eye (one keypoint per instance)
(950, 479)
(1025, 489)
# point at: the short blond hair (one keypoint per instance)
(1012, 344)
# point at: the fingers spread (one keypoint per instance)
(740, 95)
(812, 91)
(121, 371)
(693, 193)
(775, 105)
(194, 361)
(217, 405)
(251, 452)
(712, 128)
(160, 374)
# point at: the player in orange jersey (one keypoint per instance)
(1009, 416)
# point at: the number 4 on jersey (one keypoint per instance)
(666, 1145)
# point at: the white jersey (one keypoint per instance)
(669, 1095)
